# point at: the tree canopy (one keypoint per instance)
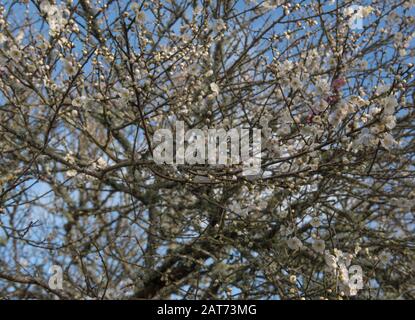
(86, 84)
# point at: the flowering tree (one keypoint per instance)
(84, 86)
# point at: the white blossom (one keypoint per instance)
(385, 257)
(389, 104)
(215, 88)
(331, 261)
(15, 53)
(80, 101)
(69, 67)
(322, 87)
(319, 245)
(315, 222)
(388, 141)
(71, 173)
(294, 243)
